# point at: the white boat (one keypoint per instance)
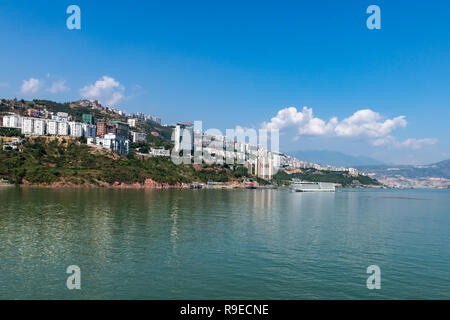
(304, 186)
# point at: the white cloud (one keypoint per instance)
(369, 123)
(363, 123)
(107, 90)
(58, 86)
(30, 86)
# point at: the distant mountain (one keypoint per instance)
(334, 158)
(436, 170)
(443, 164)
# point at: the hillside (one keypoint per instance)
(76, 109)
(313, 175)
(46, 161)
(436, 170)
(435, 175)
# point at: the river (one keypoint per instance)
(224, 244)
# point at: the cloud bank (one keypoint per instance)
(363, 123)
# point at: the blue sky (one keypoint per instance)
(232, 63)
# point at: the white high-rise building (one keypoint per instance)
(76, 129)
(52, 127)
(39, 127)
(63, 128)
(12, 121)
(138, 136)
(183, 136)
(112, 142)
(27, 126)
(33, 126)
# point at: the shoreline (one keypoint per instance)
(163, 186)
(152, 185)
(148, 184)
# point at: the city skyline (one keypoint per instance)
(326, 82)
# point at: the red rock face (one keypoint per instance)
(148, 184)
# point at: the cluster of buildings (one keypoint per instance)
(218, 149)
(143, 117)
(291, 162)
(57, 125)
(134, 117)
(400, 181)
(112, 135)
(259, 161)
(113, 142)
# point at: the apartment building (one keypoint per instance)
(102, 129)
(138, 136)
(183, 136)
(39, 127)
(63, 128)
(132, 122)
(61, 116)
(75, 129)
(112, 142)
(89, 130)
(33, 126)
(52, 127)
(119, 128)
(27, 126)
(87, 118)
(12, 121)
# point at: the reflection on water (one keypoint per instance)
(194, 244)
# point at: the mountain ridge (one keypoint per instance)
(439, 169)
(334, 158)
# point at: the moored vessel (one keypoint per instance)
(304, 186)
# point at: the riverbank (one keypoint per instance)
(64, 184)
(60, 163)
(148, 184)
(5, 185)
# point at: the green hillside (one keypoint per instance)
(313, 175)
(49, 160)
